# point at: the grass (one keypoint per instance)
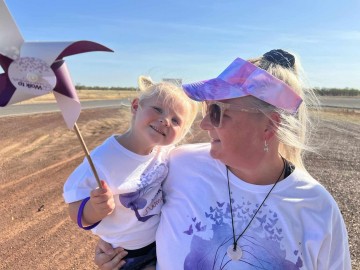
(88, 95)
(340, 114)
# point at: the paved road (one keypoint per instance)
(20, 109)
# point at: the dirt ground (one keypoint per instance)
(37, 154)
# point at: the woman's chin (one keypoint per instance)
(214, 153)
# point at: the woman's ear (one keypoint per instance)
(273, 122)
(135, 105)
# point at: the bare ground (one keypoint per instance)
(37, 154)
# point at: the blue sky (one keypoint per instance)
(196, 40)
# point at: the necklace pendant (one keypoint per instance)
(234, 254)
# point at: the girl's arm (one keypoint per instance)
(100, 204)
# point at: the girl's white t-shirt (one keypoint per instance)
(135, 182)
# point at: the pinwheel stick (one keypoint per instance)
(77, 131)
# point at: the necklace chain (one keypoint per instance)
(231, 211)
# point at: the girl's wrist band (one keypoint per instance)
(80, 213)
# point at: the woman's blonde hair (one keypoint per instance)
(171, 95)
(293, 130)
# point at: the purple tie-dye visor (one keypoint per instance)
(242, 79)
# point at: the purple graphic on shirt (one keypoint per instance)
(149, 194)
(261, 243)
(134, 201)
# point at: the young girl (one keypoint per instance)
(125, 211)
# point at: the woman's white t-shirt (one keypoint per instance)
(298, 227)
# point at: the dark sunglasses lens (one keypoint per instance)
(215, 114)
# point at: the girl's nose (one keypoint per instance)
(164, 121)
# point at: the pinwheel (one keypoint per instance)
(33, 69)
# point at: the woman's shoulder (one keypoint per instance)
(190, 152)
(311, 188)
(190, 149)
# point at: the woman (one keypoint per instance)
(245, 201)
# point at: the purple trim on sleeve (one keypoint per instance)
(80, 213)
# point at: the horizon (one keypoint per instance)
(196, 40)
(120, 88)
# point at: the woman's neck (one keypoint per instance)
(265, 172)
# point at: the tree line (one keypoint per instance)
(84, 87)
(337, 92)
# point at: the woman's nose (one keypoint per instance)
(205, 123)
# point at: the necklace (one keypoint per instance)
(234, 251)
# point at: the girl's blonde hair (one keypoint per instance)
(171, 95)
(293, 130)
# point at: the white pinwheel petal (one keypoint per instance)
(47, 51)
(19, 96)
(70, 109)
(10, 36)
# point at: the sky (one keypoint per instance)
(196, 40)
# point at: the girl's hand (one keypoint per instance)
(108, 258)
(102, 201)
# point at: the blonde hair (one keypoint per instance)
(293, 130)
(172, 95)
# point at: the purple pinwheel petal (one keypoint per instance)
(5, 62)
(82, 46)
(6, 90)
(64, 83)
(65, 94)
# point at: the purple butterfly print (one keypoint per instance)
(220, 204)
(200, 228)
(189, 231)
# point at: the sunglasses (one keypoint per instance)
(216, 109)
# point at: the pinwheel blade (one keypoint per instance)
(83, 46)
(65, 94)
(46, 51)
(70, 109)
(10, 36)
(6, 90)
(5, 62)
